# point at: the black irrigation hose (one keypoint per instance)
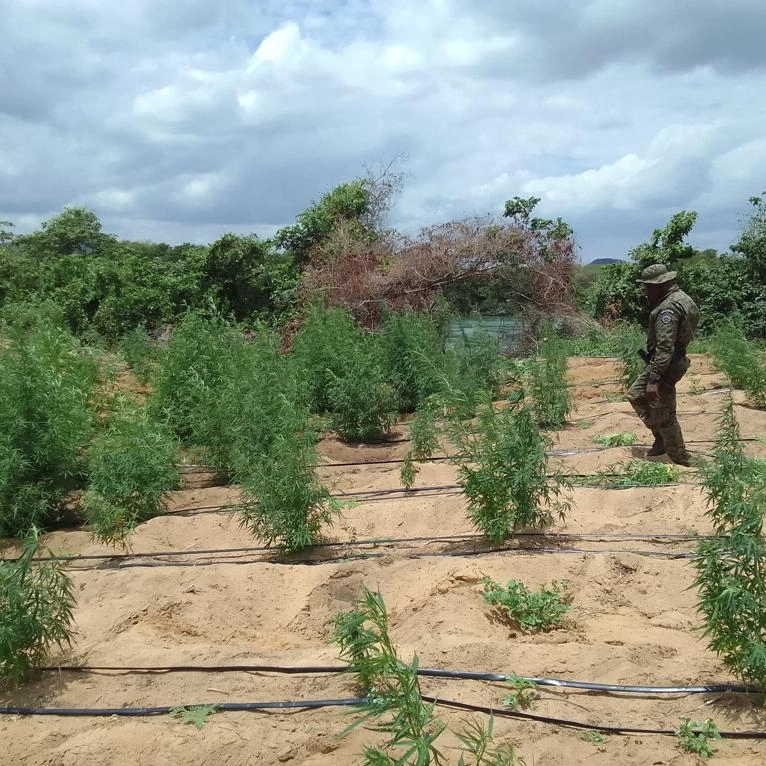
(380, 541)
(566, 722)
(354, 702)
(458, 675)
(132, 712)
(117, 565)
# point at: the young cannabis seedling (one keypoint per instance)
(530, 611)
(194, 714)
(694, 737)
(595, 738)
(523, 693)
(36, 605)
(616, 440)
(394, 698)
(634, 473)
(478, 749)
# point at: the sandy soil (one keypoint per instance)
(634, 620)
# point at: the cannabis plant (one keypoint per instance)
(132, 464)
(548, 384)
(192, 371)
(629, 339)
(695, 737)
(322, 348)
(394, 698)
(503, 467)
(621, 439)
(363, 405)
(634, 473)
(529, 610)
(272, 453)
(731, 566)
(36, 605)
(47, 382)
(741, 360)
(413, 357)
(139, 352)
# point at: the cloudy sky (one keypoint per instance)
(177, 120)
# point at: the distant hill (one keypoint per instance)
(605, 261)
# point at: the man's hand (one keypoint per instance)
(652, 392)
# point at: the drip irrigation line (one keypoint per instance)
(376, 542)
(501, 713)
(133, 712)
(369, 493)
(456, 675)
(118, 564)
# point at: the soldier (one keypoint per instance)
(672, 325)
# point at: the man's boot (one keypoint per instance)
(658, 448)
(674, 445)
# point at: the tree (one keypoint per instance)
(6, 235)
(247, 278)
(346, 204)
(74, 231)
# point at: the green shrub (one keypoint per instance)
(741, 360)
(529, 610)
(322, 349)
(138, 351)
(548, 382)
(132, 464)
(363, 405)
(36, 605)
(503, 465)
(47, 382)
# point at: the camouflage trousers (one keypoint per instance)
(660, 416)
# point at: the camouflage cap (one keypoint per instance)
(657, 274)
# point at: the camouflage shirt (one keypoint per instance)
(672, 325)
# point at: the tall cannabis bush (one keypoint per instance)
(193, 370)
(413, 357)
(132, 464)
(36, 605)
(139, 352)
(273, 446)
(548, 381)
(503, 467)
(47, 382)
(742, 361)
(363, 405)
(322, 349)
(731, 568)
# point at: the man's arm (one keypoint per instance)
(666, 330)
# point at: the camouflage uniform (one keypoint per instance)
(672, 325)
